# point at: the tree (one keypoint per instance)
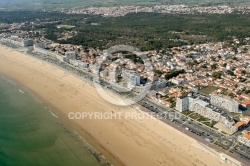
(204, 66)
(214, 66)
(243, 72)
(213, 58)
(230, 72)
(174, 74)
(158, 72)
(217, 75)
(234, 58)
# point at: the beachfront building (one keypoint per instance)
(132, 77)
(27, 42)
(76, 63)
(16, 40)
(59, 57)
(70, 55)
(41, 45)
(113, 76)
(13, 39)
(104, 73)
(206, 110)
(40, 48)
(182, 103)
(244, 138)
(83, 65)
(224, 103)
(134, 81)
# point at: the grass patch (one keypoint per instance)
(210, 124)
(186, 112)
(208, 90)
(207, 124)
(227, 92)
(202, 119)
(235, 115)
(215, 128)
(194, 116)
(214, 123)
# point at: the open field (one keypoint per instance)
(65, 26)
(208, 90)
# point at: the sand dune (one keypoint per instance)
(133, 142)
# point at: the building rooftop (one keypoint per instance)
(246, 134)
(246, 103)
(239, 124)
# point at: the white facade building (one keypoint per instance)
(27, 42)
(133, 78)
(206, 110)
(222, 102)
(113, 74)
(70, 55)
(244, 138)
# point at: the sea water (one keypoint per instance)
(33, 135)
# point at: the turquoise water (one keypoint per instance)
(30, 135)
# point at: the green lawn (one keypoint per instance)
(208, 90)
(203, 119)
(186, 112)
(209, 124)
(194, 116)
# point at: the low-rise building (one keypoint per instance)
(245, 138)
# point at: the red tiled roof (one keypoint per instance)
(246, 134)
(246, 103)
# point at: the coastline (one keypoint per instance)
(121, 141)
(87, 139)
(31, 130)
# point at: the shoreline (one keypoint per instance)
(74, 129)
(160, 145)
(93, 145)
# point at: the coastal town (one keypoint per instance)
(214, 78)
(208, 84)
(173, 9)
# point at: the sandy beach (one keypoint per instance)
(130, 142)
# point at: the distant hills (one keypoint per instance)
(48, 4)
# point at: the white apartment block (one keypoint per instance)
(206, 110)
(222, 102)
